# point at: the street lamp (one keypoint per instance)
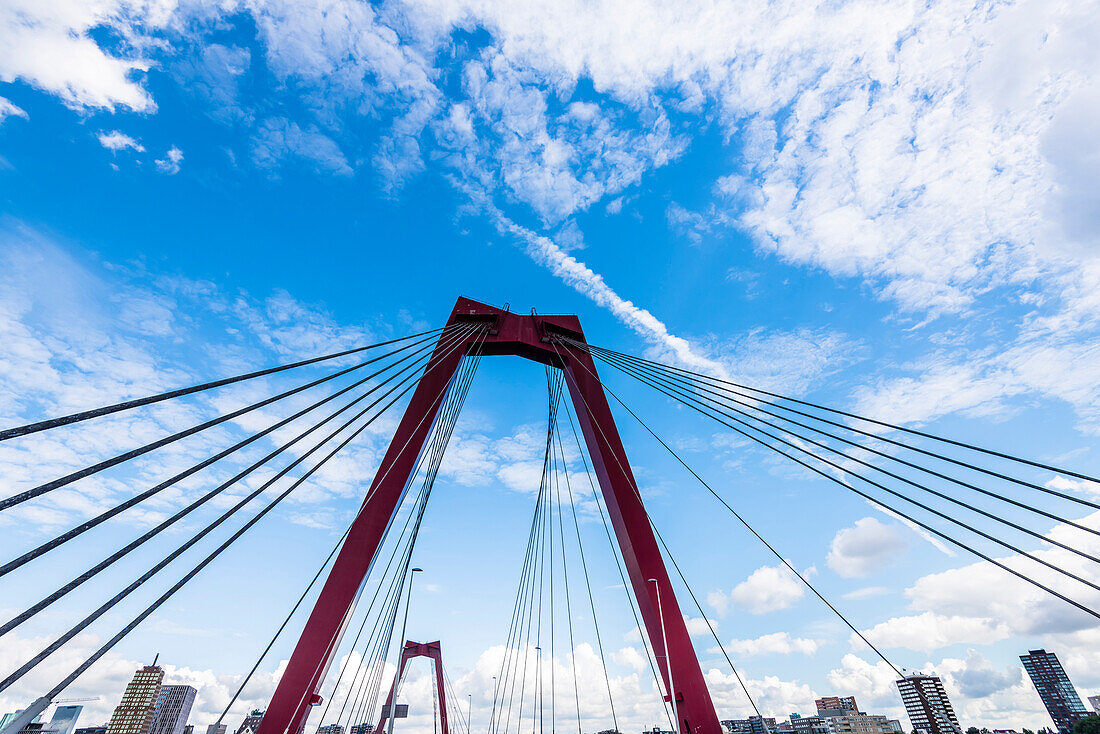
(469, 712)
(493, 712)
(401, 646)
(668, 663)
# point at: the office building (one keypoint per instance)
(926, 703)
(1094, 701)
(656, 730)
(837, 703)
(189, 729)
(172, 710)
(215, 729)
(92, 730)
(1055, 689)
(361, 729)
(64, 719)
(330, 729)
(134, 714)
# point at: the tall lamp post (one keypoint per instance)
(401, 645)
(668, 664)
(469, 712)
(492, 715)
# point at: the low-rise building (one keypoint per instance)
(751, 725)
(857, 724)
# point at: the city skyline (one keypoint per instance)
(833, 714)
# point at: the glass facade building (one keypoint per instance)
(1055, 689)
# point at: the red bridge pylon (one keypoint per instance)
(532, 337)
(411, 650)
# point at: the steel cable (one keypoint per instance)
(141, 497)
(894, 510)
(1031, 508)
(128, 404)
(82, 578)
(88, 471)
(194, 571)
(683, 397)
(911, 431)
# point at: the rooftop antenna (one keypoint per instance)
(155, 659)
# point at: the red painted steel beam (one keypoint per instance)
(531, 337)
(411, 650)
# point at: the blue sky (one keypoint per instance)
(873, 204)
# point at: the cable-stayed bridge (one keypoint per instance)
(942, 486)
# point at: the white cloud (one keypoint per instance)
(776, 643)
(78, 336)
(585, 281)
(49, 46)
(698, 626)
(279, 140)
(170, 164)
(10, 109)
(116, 141)
(1026, 609)
(929, 631)
(1081, 486)
(871, 683)
(863, 548)
(767, 589)
(867, 592)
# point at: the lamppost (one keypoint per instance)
(538, 679)
(401, 646)
(469, 712)
(668, 663)
(493, 712)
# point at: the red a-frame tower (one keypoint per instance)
(411, 650)
(532, 337)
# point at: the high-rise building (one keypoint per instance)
(330, 729)
(363, 728)
(837, 703)
(1094, 701)
(189, 729)
(1055, 689)
(134, 714)
(172, 709)
(926, 703)
(64, 719)
(251, 722)
(215, 729)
